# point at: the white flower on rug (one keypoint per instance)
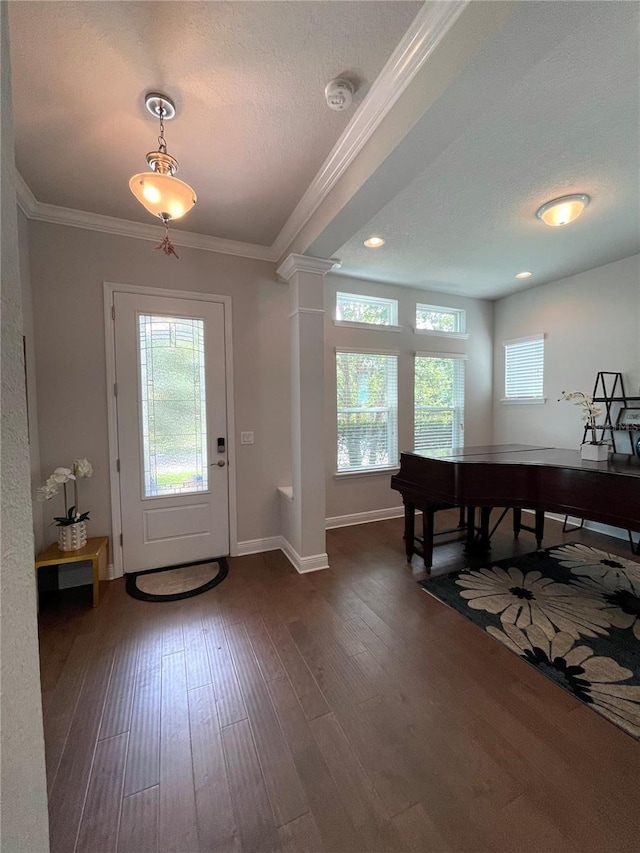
(532, 599)
(614, 579)
(593, 679)
(592, 563)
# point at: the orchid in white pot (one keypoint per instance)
(72, 524)
(590, 410)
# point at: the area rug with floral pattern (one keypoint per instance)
(571, 611)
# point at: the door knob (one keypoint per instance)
(221, 463)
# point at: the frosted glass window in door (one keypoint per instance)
(173, 405)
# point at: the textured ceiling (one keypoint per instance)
(546, 105)
(248, 79)
(565, 121)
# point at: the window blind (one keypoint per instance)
(438, 402)
(367, 408)
(524, 368)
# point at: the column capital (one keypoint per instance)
(304, 263)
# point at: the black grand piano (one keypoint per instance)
(516, 476)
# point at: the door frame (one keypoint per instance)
(110, 289)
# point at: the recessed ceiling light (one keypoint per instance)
(524, 274)
(374, 242)
(562, 211)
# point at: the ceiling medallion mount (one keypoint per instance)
(160, 106)
(563, 210)
(158, 191)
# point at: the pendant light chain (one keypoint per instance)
(162, 145)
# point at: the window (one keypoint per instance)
(367, 391)
(438, 401)
(433, 318)
(524, 370)
(172, 394)
(368, 310)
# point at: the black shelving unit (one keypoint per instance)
(609, 390)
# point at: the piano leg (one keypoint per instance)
(409, 529)
(485, 539)
(471, 529)
(517, 522)
(428, 516)
(539, 527)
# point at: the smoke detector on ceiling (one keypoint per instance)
(339, 94)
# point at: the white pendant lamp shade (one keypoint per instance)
(163, 195)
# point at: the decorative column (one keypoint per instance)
(303, 514)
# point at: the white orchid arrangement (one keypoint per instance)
(82, 469)
(590, 410)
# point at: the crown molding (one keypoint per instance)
(27, 202)
(427, 30)
(34, 209)
(303, 263)
(425, 33)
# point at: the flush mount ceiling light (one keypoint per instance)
(374, 242)
(524, 274)
(562, 211)
(158, 191)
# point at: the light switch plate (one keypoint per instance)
(246, 438)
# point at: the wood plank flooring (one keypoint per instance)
(343, 711)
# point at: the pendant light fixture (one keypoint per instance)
(159, 191)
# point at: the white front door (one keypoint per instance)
(172, 430)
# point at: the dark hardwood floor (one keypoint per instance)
(343, 710)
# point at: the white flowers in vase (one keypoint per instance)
(82, 469)
(590, 410)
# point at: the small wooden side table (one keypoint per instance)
(96, 551)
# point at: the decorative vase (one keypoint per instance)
(595, 452)
(72, 536)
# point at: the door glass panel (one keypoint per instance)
(172, 394)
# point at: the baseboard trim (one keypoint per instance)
(111, 573)
(302, 565)
(364, 517)
(257, 546)
(594, 526)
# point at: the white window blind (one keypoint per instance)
(524, 368)
(434, 318)
(373, 310)
(438, 402)
(367, 403)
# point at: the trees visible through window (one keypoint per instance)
(352, 308)
(367, 397)
(432, 318)
(438, 402)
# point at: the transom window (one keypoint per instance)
(369, 310)
(438, 401)
(434, 318)
(367, 403)
(524, 369)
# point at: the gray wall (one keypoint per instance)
(23, 786)
(365, 492)
(68, 268)
(592, 323)
(32, 398)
